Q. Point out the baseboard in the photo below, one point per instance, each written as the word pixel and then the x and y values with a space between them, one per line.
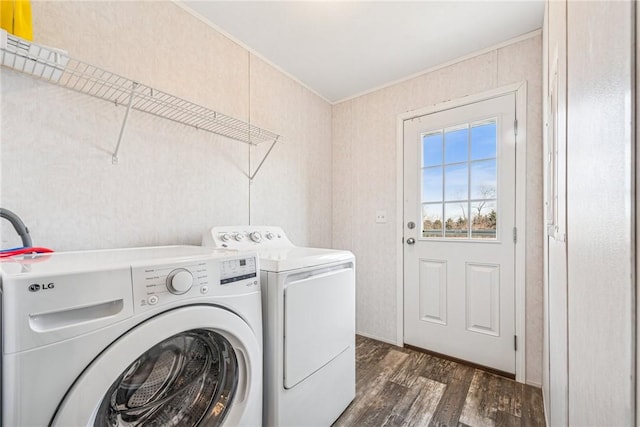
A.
pixel 377 338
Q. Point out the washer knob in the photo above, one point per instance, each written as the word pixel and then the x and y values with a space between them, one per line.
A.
pixel 179 281
pixel 239 237
pixel 269 235
pixel 225 237
pixel 256 237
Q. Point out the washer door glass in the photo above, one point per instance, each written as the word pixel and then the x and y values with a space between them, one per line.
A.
pixel 186 380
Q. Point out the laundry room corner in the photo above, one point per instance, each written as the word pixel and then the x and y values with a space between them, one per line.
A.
pixel 298 171
pixel 170 181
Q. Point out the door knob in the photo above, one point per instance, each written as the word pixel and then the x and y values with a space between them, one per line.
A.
pixel 411 241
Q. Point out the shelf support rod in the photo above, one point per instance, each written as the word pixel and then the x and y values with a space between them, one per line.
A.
pixel 114 157
pixel 273 144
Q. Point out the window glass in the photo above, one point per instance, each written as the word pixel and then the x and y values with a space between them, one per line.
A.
pixel 483 179
pixel 455 223
pixel 432 149
pixel 483 140
pixel 484 219
pixel 456 182
pixel 459 181
pixel 432 220
pixel 432 184
pixel 456 142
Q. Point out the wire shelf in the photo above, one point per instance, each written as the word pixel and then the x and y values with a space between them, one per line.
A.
pixel 57 67
pixel 94 81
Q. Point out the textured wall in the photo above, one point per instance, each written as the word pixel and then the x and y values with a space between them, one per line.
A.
pixel 293 188
pixel 172 181
pixel 364 179
pixel 601 164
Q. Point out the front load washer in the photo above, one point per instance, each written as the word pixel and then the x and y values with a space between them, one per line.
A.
pixel 309 325
pixel 167 336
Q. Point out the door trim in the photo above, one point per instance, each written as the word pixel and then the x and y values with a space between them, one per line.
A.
pixel 520 90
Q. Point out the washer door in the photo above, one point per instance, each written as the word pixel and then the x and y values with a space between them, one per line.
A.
pixel 193 366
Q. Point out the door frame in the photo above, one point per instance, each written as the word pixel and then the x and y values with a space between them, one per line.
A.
pixel 520 90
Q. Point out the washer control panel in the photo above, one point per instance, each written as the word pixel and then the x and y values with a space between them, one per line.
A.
pixel 235 270
pixel 246 237
pixel 228 274
pixel 179 281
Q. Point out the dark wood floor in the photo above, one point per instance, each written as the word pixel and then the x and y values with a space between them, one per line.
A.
pixel 402 387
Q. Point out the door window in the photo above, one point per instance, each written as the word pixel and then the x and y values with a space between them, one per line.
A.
pixel 186 380
pixel 459 181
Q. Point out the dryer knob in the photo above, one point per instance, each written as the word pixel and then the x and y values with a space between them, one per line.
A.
pixel 256 237
pixel 269 235
pixel 239 237
pixel 179 281
pixel 225 237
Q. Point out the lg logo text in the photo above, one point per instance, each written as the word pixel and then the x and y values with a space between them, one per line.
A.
pixel 37 287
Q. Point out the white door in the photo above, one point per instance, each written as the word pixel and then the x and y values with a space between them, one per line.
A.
pixel 459 216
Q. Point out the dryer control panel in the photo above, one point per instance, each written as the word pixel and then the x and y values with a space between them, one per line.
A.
pixel 246 237
pixel 160 284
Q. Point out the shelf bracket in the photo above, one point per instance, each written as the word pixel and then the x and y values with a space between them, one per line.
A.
pixel 114 157
pixel 273 144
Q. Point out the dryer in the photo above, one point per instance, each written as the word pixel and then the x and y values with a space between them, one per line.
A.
pixel 309 325
pixel 166 336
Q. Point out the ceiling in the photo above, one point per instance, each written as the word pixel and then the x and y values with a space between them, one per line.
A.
pixel 340 49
